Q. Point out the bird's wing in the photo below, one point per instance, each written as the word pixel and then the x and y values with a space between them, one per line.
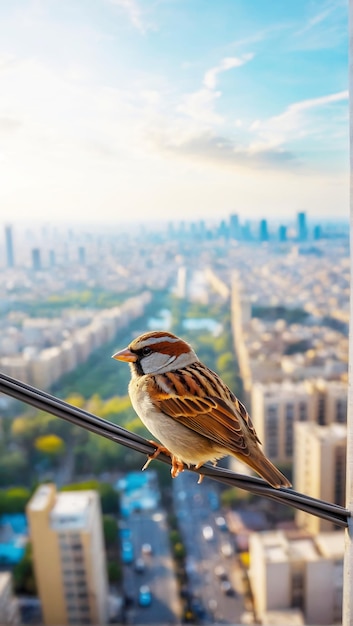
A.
pixel 224 423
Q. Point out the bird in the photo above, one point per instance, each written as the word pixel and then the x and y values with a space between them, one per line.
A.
pixel 189 409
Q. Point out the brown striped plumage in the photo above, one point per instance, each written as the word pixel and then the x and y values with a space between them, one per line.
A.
pixel 188 407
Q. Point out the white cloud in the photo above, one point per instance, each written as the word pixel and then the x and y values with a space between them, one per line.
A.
pixel 299 120
pixel 134 12
pixel 211 76
pixel 199 106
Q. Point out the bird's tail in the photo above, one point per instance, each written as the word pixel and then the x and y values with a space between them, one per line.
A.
pixel 261 464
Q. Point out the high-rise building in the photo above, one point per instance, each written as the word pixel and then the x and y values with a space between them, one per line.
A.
pixel 276 406
pixel 52 258
pixel 297 573
pixel 82 255
pixel 10 258
pixel 317 233
pixel 36 260
pixel 234 226
pixel 320 468
pixel 263 231
pixel 282 233
pixel 68 556
pixel 223 229
pixel 302 229
pixel 246 231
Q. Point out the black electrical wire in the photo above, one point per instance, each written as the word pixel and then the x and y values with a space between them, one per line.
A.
pixel 51 404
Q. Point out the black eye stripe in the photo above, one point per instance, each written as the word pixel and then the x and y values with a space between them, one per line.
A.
pixel 142 352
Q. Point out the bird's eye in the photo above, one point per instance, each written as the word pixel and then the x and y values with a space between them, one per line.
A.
pixel 146 351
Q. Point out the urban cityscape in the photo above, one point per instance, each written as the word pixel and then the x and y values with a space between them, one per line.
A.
pixel 86 537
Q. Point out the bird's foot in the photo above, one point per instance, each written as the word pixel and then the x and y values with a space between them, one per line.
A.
pixel 159 449
pixel 201 476
pixel 177 467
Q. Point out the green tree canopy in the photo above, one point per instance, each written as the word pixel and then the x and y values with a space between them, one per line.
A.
pixel 14 499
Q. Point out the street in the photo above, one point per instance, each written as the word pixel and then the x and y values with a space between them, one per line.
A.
pixel 150 529
pixel 211 564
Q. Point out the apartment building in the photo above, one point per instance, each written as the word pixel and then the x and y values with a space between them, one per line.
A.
pixel 276 407
pixel 300 572
pixel 68 556
pixel 320 468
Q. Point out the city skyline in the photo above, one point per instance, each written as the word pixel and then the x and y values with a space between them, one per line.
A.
pixel 107 116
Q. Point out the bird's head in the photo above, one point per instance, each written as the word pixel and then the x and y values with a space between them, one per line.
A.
pixel 156 352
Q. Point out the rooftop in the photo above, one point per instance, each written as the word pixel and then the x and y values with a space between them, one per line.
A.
pixel 71 510
pixel 278 547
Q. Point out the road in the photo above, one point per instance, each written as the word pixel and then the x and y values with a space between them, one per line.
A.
pixel 197 507
pixel 151 528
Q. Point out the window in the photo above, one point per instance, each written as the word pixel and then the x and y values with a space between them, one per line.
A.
pixel 297 590
pixel 271 431
pixel 289 418
pixel 341 411
pixel 340 476
pixel 303 413
pixel 321 410
pixel 81 583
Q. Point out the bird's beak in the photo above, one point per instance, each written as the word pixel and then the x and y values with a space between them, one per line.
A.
pixel 125 355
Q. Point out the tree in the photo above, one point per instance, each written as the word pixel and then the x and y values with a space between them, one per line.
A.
pixel 109 498
pixel 109 531
pixel 76 399
pixel 23 573
pixel 50 445
pixel 14 500
pixel 13 467
pixel 114 572
pixel 233 496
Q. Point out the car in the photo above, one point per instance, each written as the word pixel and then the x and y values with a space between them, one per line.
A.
pixel 227 588
pixel 227 549
pixel 221 572
pixel 127 552
pixel 139 566
pixel 145 596
pixel 124 532
pixel 221 523
pixel 146 548
pixel 197 607
pixel 207 532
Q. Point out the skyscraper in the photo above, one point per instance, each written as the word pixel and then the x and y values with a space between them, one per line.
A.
pixel 263 231
pixel 10 260
pixel 302 229
pixel 36 261
pixel 68 555
pixel 82 255
pixel 234 226
pixel 282 233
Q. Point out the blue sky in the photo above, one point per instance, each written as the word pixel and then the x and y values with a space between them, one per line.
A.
pixel 168 109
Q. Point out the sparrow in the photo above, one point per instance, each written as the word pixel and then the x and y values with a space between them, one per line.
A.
pixel 188 407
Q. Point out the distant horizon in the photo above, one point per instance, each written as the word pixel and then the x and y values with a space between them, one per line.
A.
pixel 243 218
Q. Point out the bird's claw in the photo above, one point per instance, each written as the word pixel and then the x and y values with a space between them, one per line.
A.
pixel 201 476
pixel 177 465
pixel 159 449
